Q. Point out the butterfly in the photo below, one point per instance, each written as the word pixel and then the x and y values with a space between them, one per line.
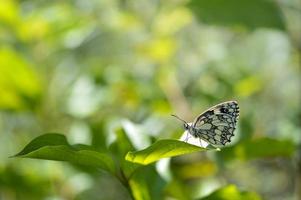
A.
pixel 215 126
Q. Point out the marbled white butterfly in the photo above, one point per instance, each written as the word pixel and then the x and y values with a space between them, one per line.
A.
pixel 215 126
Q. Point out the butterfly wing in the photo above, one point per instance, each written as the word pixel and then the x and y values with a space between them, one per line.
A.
pixel 217 124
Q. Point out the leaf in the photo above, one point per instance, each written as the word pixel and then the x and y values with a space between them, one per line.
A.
pixel 177 189
pixel 31 188
pixel 139 188
pixel 197 169
pixel 261 147
pixel 53 146
pixel 251 14
pixel 146 183
pixel 119 149
pixel 231 192
pixel 162 149
pixel 20 86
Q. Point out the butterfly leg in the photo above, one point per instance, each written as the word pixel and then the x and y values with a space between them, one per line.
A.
pixel 187 136
pixel 203 143
pixel 200 142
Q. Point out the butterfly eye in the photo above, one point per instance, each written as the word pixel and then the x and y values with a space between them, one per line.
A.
pixel 186 126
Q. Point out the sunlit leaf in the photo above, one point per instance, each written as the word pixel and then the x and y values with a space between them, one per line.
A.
pixel 258 148
pixel 8 12
pixel 248 86
pixel 200 169
pixel 54 146
pixel 119 149
pixel 231 192
pixel 168 23
pixel 177 189
pixel 20 86
pixel 139 188
pixel 252 14
pixel 158 49
pixel 162 149
pixel 146 183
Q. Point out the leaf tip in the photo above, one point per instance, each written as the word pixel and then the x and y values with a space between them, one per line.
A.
pixel 129 156
pixel 16 155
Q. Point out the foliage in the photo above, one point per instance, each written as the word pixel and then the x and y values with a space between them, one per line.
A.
pixel 55 147
pixel 93 83
pixel 252 14
pixel 231 192
pixel 162 149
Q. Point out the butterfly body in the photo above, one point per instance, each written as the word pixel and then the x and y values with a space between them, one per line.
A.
pixel 216 125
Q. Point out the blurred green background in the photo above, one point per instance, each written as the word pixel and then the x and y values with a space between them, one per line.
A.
pixel 83 68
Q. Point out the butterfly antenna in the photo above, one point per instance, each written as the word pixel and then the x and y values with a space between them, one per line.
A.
pixel 179 119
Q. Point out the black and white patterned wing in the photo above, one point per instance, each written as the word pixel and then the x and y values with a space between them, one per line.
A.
pixel 217 124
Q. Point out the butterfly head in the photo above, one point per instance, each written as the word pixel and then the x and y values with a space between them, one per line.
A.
pixel 186 125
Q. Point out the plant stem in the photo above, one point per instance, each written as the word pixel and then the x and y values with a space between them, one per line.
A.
pixel 125 182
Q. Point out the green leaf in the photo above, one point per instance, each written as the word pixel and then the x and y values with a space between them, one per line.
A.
pixel 231 192
pixel 119 149
pixel 252 14
pixel 261 147
pixel 176 189
pixel 162 149
pixel 139 188
pixel 54 146
pixel 20 85
pixel 31 188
